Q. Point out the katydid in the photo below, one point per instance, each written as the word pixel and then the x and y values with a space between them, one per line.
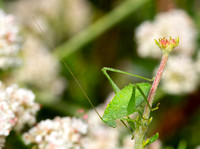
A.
pixel 125 101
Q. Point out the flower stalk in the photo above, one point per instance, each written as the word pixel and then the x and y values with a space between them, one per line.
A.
pixel 166 46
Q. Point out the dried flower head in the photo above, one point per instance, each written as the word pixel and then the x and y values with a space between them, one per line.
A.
pixel 167 45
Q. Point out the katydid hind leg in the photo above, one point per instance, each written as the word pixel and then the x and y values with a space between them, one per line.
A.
pixel 123 72
pixel 82 89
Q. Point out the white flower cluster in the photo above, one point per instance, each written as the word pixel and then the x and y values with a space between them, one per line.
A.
pixel 73 133
pixel 75 14
pixel 41 68
pixel 60 133
pixel 17 108
pixel 180 75
pixel 175 23
pixel 9 41
pixel 7 117
pixel 23 105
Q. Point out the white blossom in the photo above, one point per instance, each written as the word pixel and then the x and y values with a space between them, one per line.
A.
pixel 22 102
pixel 7 119
pixel 180 75
pixel 7 115
pixel 9 41
pixel 175 23
pixel 41 68
pixel 62 133
pixel 46 11
pixel 17 108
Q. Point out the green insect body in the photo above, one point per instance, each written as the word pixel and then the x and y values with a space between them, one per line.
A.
pixel 125 103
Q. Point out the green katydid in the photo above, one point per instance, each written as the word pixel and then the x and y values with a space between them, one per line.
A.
pixel 125 101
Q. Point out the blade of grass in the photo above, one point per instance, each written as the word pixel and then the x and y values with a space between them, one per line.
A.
pixel 105 23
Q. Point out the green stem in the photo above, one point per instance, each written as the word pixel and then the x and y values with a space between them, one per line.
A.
pixel 105 23
pixel 140 133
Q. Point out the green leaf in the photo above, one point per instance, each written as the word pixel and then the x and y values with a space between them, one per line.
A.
pixel 124 103
pixel 152 139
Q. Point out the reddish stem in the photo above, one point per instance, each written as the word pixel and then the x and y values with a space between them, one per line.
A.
pixel 140 132
pixel 155 85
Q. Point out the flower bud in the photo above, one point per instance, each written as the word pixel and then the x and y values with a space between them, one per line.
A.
pixel 167 45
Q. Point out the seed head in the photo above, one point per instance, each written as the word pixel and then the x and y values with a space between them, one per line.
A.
pixel 167 45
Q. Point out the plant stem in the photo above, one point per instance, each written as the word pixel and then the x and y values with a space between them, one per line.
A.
pixel 155 85
pixel 105 23
pixel 140 132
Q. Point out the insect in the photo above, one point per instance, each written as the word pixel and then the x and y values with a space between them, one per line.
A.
pixel 125 101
